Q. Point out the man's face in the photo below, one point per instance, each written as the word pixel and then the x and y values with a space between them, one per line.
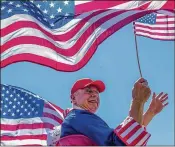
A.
pixel 87 98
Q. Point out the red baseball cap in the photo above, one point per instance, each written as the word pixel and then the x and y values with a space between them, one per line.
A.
pixel 82 83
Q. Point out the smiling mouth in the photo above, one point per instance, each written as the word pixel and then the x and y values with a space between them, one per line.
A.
pixel 93 101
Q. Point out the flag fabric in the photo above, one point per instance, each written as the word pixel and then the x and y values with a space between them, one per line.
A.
pixel 156 26
pixel 26 118
pixel 64 35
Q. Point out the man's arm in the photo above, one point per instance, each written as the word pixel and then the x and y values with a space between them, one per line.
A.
pixel 129 132
pixel 136 111
pixel 157 104
pixel 140 93
pixel 132 133
pixel 147 117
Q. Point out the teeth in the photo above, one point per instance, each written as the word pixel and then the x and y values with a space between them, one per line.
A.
pixel 93 101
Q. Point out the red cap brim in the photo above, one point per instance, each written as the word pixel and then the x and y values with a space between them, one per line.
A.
pixel 99 84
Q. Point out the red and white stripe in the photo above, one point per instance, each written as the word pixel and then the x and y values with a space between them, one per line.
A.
pixel 89 5
pixel 131 133
pixel 33 131
pixel 164 29
pixel 69 48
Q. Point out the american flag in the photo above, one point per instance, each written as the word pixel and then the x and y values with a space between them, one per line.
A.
pixel 64 35
pixel 156 26
pixel 26 118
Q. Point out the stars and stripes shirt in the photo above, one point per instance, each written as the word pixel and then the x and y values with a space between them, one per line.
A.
pixel 129 132
pixel 26 118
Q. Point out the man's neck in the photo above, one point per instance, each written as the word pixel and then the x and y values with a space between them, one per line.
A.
pixel 76 107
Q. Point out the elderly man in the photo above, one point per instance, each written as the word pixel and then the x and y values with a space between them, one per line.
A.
pixel 82 127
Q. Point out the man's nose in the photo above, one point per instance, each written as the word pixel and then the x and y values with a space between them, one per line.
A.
pixel 93 94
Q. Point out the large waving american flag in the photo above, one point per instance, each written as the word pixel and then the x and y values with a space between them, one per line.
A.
pixel 65 34
pixel 27 119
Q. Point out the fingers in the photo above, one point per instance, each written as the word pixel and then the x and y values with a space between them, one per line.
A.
pixel 159 95
pixel 163 100
pixel 145 83
pixel 147 91
pixel 163 96
pixel 141 81
pixel 141 90
pixel 154 95
pixel 165 104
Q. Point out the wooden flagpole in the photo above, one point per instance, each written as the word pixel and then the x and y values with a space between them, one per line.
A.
pixel 137 52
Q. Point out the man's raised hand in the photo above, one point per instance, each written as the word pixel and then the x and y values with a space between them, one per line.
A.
pixel 141 91
pixel 158 102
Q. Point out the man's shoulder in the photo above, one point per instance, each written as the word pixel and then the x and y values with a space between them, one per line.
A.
pixel 79 113
pixel 75 116
pixel 82 115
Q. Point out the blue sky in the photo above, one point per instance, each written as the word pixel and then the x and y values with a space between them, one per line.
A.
pixel 115 63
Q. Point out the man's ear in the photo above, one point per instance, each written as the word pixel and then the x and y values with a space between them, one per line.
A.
pixel 72 99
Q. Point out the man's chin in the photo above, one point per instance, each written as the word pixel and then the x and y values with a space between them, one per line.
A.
pixel 93 110
pixel 90 107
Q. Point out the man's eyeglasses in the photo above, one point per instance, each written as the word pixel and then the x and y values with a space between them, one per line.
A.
pixel 90 91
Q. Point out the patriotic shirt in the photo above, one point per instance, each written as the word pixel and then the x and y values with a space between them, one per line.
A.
pixel 80 122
